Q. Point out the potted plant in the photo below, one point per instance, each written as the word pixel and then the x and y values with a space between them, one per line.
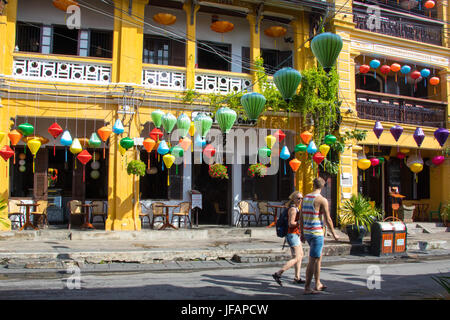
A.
pixel 218 171
pixel 357 216
pixel 446 215
pixel 257 170
pixel 136 167
pixel 5 224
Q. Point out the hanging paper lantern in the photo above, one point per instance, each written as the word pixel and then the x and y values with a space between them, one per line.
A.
pixel 84 157
pixel 318 158
pixel 295 164
pixel 66 141
pixel 363 69
pixel 324 149
pixel 199 142
pixel 22 168
pixel 34 146
pixel 157 117
pixel 55 130
pixel 26 129
pixel 396 132
pixel 63 5
pixel 166 19
pixel 300 147
pixel 401 155
pixel 185 143
pixel 441 135
pixel 2 135
pixel 287 81
pixel 364 164
pixel 6 152
pixel 270 141
pixel 312 149
pixel 381 160
pixel 306 136
pixel 222 26
pixel 203 124
pixel 14 137
pixel 375 64
pixel 280 135
pixel 95 174
pixel 156 134
pixel 264 153
pixel 168 122
pixel 326 48
pixel 414 159
pixel 405 70
pixel 385 69
pixel 104 133
pixel 118 127
pixel 209 151
pixel 75 147
pixel 416 167
pixel 378 129
pixel 430 5
pixel 395 67
pixel 226 118
pixel 415 75
pixel 163 148
pixel 275 31
pixel 122 151
pixel 177 151
pixel 94 141
pixel 424 74
pixel 284 154
pixel 253 104
pixel 149 144
pixel 22 156
pixel 419 136
pixel 374 162
pixel 330 139
pixel 437 160
pixel 434 81
pixel 168 161
pixel 127 143
pixel 183 124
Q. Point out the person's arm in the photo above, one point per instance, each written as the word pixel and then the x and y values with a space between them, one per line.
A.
pixel 300 221
pixel 329 222
pixel 292 215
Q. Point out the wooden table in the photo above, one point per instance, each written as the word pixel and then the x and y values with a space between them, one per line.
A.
pixel 421 209
pixel 167 223
pixel 28 207
pixel 86 208
pixel 275 207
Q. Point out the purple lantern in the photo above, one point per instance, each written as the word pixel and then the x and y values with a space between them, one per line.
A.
pixel 441 135
pixel 419 136
pixel 396 132
pixel 378 130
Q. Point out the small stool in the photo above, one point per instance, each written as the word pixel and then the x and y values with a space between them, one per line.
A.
pixel 395 207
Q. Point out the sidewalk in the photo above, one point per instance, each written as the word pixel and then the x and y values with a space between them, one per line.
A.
pixel 205 247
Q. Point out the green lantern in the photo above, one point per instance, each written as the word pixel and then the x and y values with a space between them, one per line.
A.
pixel 156 117
pixel 330 139
pixel 253 103
pixel 300 147
pixel 287 81
pixel 226 118
pixel 94 141
pixel 381 159
pixel 264 153
pixel 326 48
pixel 202 124
pixel 177 151
pixel 168 122
pixel 26 129
pixel 183 123
pixel 126 143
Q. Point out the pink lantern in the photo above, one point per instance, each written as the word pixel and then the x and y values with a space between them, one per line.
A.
pixel 438 160
pixel 374 162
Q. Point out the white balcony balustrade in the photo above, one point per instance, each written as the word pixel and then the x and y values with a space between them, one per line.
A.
pixel 208 82
pixel 156 78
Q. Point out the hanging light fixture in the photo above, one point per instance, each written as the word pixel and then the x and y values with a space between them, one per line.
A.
pixel 275 32
pixel 253 104
pixel 287 81
pixel 166 19
pixel 63 5
pixel 326 48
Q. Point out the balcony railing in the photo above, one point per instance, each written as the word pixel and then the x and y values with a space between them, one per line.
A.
pixel 400 109
pixel 165 78
pixel 397 25
pixel 61 69
pixel 210 81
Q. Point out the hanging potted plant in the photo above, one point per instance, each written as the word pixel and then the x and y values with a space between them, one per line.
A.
pixel 357 216
pixel 218 171
pixel 136 167
pixel 257 170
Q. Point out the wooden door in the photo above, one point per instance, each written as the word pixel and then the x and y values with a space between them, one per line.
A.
pixel 40 186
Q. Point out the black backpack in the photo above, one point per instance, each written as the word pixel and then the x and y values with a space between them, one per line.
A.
pixel 283 224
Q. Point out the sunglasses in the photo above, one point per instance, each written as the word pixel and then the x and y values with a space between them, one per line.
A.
pixel 299 198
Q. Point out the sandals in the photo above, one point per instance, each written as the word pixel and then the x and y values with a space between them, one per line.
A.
pixel 299 281
pixel 277 278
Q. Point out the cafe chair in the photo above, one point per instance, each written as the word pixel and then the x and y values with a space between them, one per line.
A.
pixel 437 212
pixel 15 211
pixel 157 212
pixel 219 213
pixel 144 214
pixel 40 215
pixel 183 213
pixel 264 213
pixel 98 210
pixel 74 210
pixel 246 212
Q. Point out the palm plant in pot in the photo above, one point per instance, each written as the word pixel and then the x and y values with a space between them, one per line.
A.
pixel 357 216
pixel 446 215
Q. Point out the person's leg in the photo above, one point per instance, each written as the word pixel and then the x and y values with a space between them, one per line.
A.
pixel 298 265
pixel 309 274
pixel 294 242
pixel 319 246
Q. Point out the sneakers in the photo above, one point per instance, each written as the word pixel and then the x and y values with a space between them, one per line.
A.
pixel 299 281
pixel 277 278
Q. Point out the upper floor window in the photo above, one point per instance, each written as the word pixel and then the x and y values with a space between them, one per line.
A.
pixel 164 51
pixel 214 56
pixel 273 60
pixel 28 37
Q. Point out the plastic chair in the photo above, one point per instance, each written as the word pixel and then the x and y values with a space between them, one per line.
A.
pixel 438 212
pixel 245 212
pixel 183 213
pixel 157 212
pixel 264 213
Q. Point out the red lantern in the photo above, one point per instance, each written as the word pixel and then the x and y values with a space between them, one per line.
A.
pixel 429 5
pixel 374 162
pixel 6 152
pixel 84 157
pixel 415 75
pixel 434 81
pixel 156 134
pixel 209 151
pixel 55 130
pixel 280 135
pixel 385 69
pixel 318 157
pixel 364 69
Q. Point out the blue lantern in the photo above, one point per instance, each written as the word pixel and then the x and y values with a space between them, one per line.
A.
pixel 163 149
pixel 66 140
pixel 405 70
pixel 425 73
pixel 375 64
pixel 118 127
pixel 284 154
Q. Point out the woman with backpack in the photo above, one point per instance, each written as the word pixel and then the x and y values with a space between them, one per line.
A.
pixel 293 238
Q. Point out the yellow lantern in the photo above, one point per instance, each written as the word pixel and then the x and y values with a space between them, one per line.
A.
pixel 404 150
pixel 191 133
pixel 34 145
pixel 168 161
pixel 76 148
pixel 270 141
pixel 364 164
pixel 122 150
pixel 416 167
pixel 2 135
pixel 324 149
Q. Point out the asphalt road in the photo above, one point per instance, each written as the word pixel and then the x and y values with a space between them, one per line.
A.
pixel 349 281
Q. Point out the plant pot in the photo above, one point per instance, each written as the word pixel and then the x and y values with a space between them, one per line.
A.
pixel 356 234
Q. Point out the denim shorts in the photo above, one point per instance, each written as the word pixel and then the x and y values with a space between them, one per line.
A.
pixel 315 245
pixel 293 239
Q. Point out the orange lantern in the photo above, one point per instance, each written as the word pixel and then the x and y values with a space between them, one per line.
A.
pixel 434 81
pixel 429 5
pixel 149 144
pixel 306 137
pixel 64 4
pixel 104 133
pixel 295 164
pixel 222 27
pixel 275 32
pixel 14 137
pixel 165 18
pixel 395 67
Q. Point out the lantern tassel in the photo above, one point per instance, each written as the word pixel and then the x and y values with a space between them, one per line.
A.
pixel 148 161
pixel 284 167
pixel 14 154
pixel 176 172
pixel 66 154
pixel 54 147
pixel 104 147
pixel 34 160
pixel 168 181
pixel 84 167
pixel 163 166
pixel 364 79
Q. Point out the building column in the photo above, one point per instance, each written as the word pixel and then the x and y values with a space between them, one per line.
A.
pixel 302 49
pixel 191 9
pixel 123 191
pixel 255 46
